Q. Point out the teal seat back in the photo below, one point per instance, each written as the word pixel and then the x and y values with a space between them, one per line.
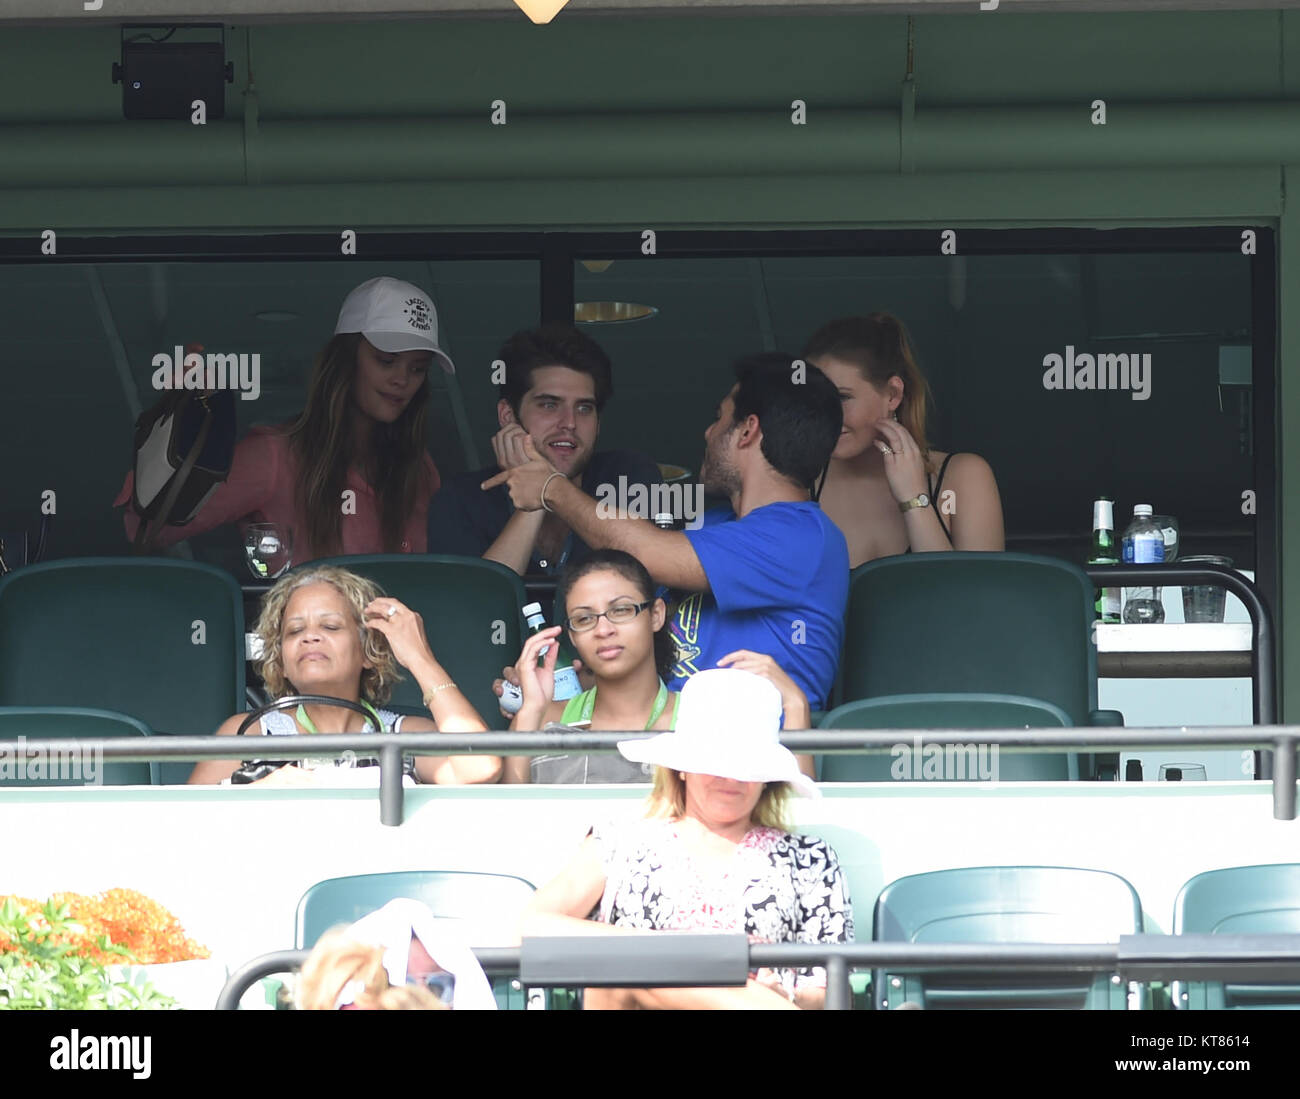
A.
pixel 472 618
pixel 1009 623
pixel 448 894
pixel 1239 900
pixel 153 637
pixel 57 722
pixel 947 711
pixel 1005 904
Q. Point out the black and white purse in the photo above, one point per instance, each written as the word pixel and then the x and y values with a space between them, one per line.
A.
pixel 184 446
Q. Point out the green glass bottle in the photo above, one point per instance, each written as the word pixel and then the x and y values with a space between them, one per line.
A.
pixel 1104 552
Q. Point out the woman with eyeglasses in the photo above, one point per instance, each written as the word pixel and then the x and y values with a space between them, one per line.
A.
pixel 617 626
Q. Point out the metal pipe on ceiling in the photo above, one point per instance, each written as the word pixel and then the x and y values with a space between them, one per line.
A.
pixel 693 145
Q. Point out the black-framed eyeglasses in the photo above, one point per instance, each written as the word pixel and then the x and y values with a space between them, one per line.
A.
pixel 619 612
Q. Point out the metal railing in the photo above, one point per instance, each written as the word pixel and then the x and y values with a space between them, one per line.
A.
pixel 390 749
pixel 699 961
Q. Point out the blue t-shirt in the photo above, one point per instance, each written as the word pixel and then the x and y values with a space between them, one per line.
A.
pixel 779 584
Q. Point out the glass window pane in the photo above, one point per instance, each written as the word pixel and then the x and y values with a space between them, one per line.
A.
pixel 983 328
pixel 85 353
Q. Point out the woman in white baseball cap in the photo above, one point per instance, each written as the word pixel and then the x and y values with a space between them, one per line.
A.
pixel 362 433
pixel 713 852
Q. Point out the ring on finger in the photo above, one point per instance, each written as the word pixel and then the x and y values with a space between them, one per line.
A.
pixel 885 448
pixel 390 612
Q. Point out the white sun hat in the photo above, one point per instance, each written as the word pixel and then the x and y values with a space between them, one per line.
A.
pixel 393 927
pixel 728 725
pixel 394 316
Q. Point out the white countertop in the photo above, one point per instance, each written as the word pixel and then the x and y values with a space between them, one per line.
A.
pixel 1174 637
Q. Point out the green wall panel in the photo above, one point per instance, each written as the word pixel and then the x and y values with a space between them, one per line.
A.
pixel 623 71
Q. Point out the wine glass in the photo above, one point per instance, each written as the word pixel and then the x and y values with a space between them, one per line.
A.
pixel 268 548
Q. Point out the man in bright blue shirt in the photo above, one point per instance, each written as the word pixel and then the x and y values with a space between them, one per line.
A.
pixel 778 584
pixel 772 575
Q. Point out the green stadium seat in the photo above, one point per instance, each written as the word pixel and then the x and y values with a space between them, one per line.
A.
pixel 1007 623
pixel 57 722
pixel 947 711
pixel 1005 904
pixel 1239 900
pixel 156 638
pixel 448 894
pixel 471 610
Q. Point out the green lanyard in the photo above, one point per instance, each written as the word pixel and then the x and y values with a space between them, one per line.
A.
pixel 589 706
pixel 310 725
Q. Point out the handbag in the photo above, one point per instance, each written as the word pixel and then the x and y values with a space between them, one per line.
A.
pixel 184 446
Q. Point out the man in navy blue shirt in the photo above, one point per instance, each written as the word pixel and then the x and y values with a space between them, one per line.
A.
pixel 556 384
pixel 769 574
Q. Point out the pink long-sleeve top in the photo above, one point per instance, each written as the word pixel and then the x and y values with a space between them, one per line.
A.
pixel 260 489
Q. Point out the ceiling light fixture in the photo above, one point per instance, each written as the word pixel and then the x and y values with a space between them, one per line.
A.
pixel 611 312
pixel 540 11
pixel 597 266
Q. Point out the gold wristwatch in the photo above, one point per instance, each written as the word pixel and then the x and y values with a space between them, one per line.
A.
pixel 922 501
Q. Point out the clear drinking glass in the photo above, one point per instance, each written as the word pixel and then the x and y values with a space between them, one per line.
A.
pixel 1205 602
pixel 1182 772
pixel 268 549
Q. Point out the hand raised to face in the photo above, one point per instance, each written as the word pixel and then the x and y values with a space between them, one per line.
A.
pixel 525 481
pixel 904 462
pixel 508 446
pixel 403 628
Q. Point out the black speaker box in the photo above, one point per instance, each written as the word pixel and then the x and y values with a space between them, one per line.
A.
pixel 163 79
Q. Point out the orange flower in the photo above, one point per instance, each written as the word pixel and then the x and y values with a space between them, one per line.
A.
pixel 128 918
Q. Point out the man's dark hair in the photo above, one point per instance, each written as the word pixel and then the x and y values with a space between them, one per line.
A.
pixel 798 410
pixel 628 567
pixel 552 345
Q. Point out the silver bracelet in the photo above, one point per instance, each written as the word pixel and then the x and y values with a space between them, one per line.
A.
pixel 542 494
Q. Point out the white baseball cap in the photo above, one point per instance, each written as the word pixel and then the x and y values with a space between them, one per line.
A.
pixel 728 725
pixel 394 316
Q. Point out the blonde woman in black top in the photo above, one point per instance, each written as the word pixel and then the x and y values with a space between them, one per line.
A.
pixel 885 488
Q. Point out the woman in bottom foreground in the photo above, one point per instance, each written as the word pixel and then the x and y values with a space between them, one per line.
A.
pixel 712 853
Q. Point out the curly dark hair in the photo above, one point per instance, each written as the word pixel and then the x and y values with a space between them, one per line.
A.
pixel 552 345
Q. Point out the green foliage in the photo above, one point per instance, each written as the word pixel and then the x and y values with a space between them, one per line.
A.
pixel 38 972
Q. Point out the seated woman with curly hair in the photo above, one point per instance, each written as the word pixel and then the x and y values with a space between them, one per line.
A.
pixel 327 631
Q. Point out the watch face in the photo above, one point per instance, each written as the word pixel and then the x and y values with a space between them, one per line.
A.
pixel 922 501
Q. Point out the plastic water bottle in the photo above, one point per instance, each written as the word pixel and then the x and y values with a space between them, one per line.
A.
pixel 1144 544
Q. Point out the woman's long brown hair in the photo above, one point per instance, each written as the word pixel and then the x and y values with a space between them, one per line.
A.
pixel 321 441
pixel 878 345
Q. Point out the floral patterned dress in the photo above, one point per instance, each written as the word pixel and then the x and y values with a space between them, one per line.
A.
pixel 779 887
